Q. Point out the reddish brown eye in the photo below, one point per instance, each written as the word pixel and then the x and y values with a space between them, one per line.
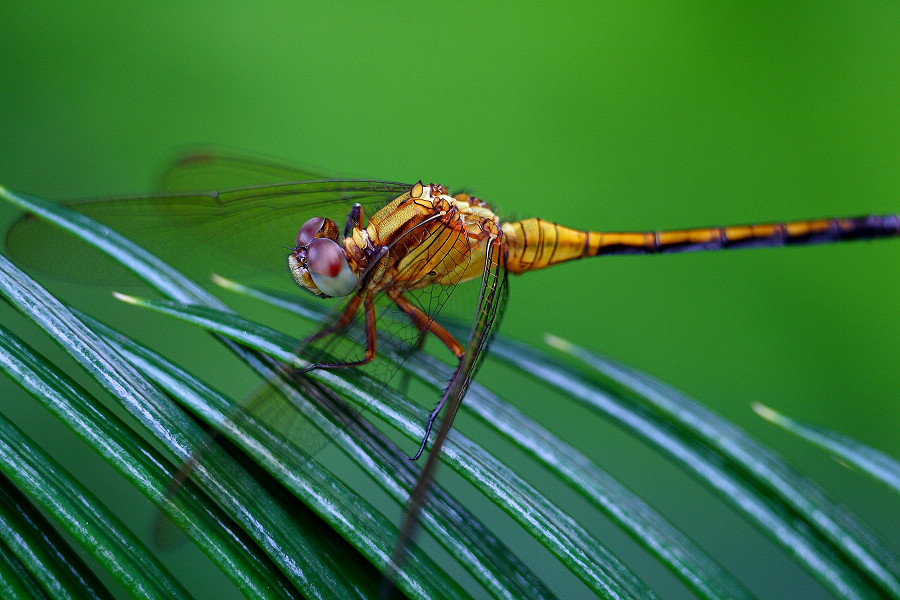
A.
pixel 329 268
pixel 308 231
pixel 324 257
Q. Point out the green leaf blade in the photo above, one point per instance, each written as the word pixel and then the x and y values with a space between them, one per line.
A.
pixel 47 483
pixel 874 463
pixel 613 387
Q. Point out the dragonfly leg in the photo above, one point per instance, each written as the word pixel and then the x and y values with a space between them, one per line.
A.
pixel 428 426
pixel 368 303
pixel 425 323
pixel 354 219
pixel 344 320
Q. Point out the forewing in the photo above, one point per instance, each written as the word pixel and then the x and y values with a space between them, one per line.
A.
pixel 211 169
pixel 489 313
pixel 491 306
pixel 244 233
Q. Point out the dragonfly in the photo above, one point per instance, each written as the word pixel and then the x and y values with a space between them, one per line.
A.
pixel 387 249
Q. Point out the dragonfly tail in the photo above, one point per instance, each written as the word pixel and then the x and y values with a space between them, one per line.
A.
pixel 536 243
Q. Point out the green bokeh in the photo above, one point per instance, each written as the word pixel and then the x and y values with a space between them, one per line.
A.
pixel 619 116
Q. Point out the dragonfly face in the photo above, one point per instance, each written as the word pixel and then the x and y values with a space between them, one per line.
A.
pixel 319 263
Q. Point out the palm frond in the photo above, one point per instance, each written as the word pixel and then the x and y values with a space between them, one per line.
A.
pixel 280 524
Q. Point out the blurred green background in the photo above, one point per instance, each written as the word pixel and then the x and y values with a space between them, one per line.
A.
pixel 624 115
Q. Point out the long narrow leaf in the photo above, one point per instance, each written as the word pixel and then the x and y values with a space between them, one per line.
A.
pixel 771 514
pixel 15 580
pixel 145 468
pixel 649 528
pixel 579 551
pixel 232 487
pixel 840 527
pixel 38 546
pixel 875 463
pixel 83 517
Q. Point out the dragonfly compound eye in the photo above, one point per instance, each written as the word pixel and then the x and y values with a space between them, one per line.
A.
pixel 308 231
pixel 329 269
pixel 318 227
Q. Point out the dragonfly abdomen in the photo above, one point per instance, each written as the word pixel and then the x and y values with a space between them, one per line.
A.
pixel 535 243
pixel 790 233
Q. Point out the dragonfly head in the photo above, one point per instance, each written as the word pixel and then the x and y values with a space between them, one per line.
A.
pixel 318 261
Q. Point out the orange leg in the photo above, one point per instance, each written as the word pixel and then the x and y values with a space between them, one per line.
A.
pixel 371 336
pixel 425 323
pixel 344 320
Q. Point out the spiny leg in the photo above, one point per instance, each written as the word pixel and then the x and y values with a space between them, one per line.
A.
pixel 426 324
pixel 345 318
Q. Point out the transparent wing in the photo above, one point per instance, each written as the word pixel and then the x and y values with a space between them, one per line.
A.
pixel 212 169
pixel 243 233
pixel 489 314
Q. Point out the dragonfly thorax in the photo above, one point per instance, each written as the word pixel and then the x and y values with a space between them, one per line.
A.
pixel 422 237
pixel 318 262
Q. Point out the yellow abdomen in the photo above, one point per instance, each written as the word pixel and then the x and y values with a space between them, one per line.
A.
pixel 535 243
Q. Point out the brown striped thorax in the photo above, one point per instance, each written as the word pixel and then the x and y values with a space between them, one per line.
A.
pixel 422 237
